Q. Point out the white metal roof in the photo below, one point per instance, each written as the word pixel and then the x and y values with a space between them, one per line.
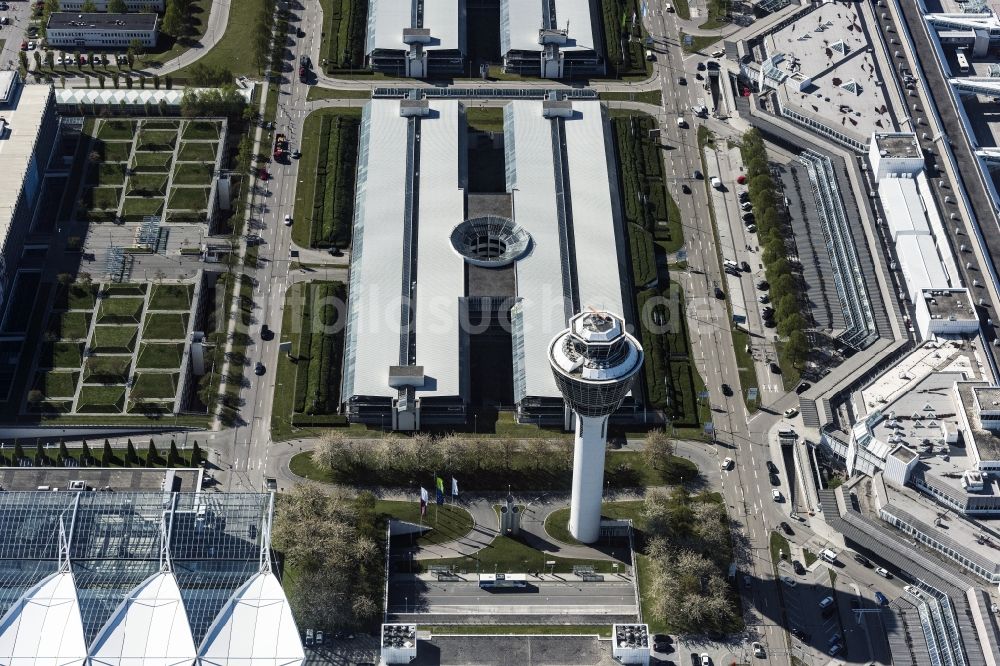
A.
pixel 255 628
pixel 376 284
pixel 17 146
pixel 440 270
pixel 539 274
pixel 149 628
pixel 594 219
pixel 134 96
pixel 904 213
pixel 524 20
pixel 387 18
pixel 44 627
pixel 920 264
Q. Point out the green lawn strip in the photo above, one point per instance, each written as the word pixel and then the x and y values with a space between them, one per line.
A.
pixel 234 50
pixel 745 365
pixel 698 43
pixel 508 555
pixel 790 375
pixel 61 355
pixel 165 326
pixel 158 162
pixel 194 173
pixel 171 297
pixel 117 151
pixel 70 325
pixel 643 255
pixel 622 469
pixel 644 97
pixel 126 289
pixel 56 384
pixel 156 140
pixel 160 355
pixel 105 174
pixel 120 310
pixel 317 93
pixel 197 152
pixel 199 12
pixel 683 9
pixel 161 124
pixel 602 630
pixel 116 129
pixel 152 385
pixel 101 198
pixel 447 522
pixel 76 296
pixel 645 580
pixel 778 543
pixel 116 339
pixel 136 207
pixel 485 119
pixel 188 198
pixel 107 369
pixel 283 398
pixel 101 399
pixel 325 196
pixel 557 522
pixel 809 556
pixel 199 130
pixel 147 184
pixel 717 10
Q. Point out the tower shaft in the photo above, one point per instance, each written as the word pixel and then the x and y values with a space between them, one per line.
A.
pixel 588 477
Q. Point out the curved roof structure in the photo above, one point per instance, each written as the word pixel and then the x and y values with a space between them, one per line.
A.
pixel 149 628
pixel 255 628
pixel 44 627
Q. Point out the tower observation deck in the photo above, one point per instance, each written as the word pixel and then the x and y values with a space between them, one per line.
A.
pixel 594 362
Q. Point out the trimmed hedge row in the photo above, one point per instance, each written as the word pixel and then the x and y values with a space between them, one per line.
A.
pixel 346 27
pixel 643 256
pixel 319 420
pixel 654 346
pixel 644 193
pixel 618 26
pixel 333 198
pixel 321 346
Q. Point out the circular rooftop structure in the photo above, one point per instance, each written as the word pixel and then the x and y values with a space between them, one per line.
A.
pixel 490 241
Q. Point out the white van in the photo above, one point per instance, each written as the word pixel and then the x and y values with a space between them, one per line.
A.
pixel 828 555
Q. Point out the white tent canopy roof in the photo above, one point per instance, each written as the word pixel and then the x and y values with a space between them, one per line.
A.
pixel 255 628
pixel 149 628
pixel 44 627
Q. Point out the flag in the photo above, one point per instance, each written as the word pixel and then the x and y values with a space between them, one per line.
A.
pixel 440 490
pixel 423 501
pixel 454 487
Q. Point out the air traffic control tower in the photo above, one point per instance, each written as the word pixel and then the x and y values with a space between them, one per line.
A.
pixel 594 362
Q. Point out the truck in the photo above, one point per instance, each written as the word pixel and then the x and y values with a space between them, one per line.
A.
pixel 280 147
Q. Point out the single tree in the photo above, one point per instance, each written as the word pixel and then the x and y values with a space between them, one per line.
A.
pixel 50 60
pixel 152 455
pixel 117 7
pixel 196 456
pixel 131 457
pixel 114 78
pixel 797 347
pixel 174 457
pixel 23 58
pixel 156 81
pixel 173 22
pixel 18 453
pixel 38 59
pixel 86 458
pixel 63 453
pixel 35 397
pixel 107 456
pixel 41 459
pixel 796 322
pixel 658 449
pixel 88 7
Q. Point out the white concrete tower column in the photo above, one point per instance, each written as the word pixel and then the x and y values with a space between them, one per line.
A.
pixel 588 478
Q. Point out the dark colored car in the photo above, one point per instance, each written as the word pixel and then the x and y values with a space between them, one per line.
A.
pixel 719 293
pixel 767 312
pixel 697 175
pixel 797 566
pixel 862 560
pixel 881 599
pixel 695 659
pixel 749 217
pixel 662 638
pixel 745 266
pixel 770 323
pixel 685 189
pixel 771 467
pixel 682 81
pixel 763 285
pixel 701 66
pixel 304 61
pixel 775 481
pixel 258 369
pixel 801 635
pixel 727 389
pixel 266 333
pixel 786 528
pixel 336 252
pixel 803 387
pixel 775 369
pixel 663 647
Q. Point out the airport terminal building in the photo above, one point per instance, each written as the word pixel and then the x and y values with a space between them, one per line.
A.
pixel 471 251
pixel 418 39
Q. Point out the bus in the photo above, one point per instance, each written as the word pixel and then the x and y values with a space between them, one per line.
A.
pixel 963 62
pixel 502 581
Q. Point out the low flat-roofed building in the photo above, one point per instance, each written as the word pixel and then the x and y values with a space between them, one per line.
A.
pixel 895 153
pixel 550 39
pixel 416 38
pixel 102 5
pixel 28 129
pixel 72 30
pixel 428 251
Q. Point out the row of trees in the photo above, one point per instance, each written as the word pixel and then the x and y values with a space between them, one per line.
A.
pixel 332 542
pixel 87 458
pixel 687 542
pixel 773 233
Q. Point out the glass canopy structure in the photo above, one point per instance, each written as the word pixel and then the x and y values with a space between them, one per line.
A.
pixel 141 578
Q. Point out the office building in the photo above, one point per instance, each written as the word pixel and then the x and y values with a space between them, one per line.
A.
pixel 69 30
pixel 102 5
